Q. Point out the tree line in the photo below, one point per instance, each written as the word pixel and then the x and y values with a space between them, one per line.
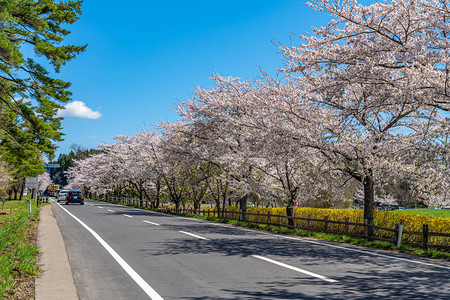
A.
pixel 30 94
pixel 362 102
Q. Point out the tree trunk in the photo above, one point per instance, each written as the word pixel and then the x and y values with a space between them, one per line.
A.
pixel 22 189
pixel 243 206
pixel 290 214
pixel 369 203
pixel 158 190
pixel 224 203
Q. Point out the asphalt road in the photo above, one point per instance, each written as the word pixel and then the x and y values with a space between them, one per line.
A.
pixel 118 252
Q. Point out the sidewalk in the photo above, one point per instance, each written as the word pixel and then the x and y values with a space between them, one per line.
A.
pixel 56 282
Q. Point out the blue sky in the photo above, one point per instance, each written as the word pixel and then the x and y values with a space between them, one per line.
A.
pixel 144 56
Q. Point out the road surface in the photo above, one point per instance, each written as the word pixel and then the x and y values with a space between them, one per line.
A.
pixel 118 252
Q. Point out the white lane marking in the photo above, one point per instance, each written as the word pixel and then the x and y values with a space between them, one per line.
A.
pixel 91 204
pixel 322 244
pixel 151 223
pixel 194 235
pixel 295 268
pixel 340 247
pixel 189 219
pixel 111 210
pixel 135 276
pixel 128 216
pixel 100 206
pixel 221 225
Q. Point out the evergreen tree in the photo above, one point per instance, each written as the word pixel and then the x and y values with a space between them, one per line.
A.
pixel 29 96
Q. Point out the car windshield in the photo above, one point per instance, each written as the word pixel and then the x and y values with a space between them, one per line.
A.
pixel 63 192
pixel 75 193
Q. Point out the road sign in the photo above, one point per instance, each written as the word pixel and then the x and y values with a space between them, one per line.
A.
pixel 47 166
pixel 31 182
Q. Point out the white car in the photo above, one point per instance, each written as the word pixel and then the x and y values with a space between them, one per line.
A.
pixel 62 195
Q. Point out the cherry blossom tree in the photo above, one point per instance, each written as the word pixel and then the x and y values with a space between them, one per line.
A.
pixel 371 87
pixel 6 177
pixel 233 127
pixel 364 100
pixel 44 181
pixel 437 201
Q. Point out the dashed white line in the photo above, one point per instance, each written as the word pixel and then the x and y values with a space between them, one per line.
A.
pixel 151 223
pixel 295 268
pixel 100 206
pixel 111 210
pixel 365 252
pixel 304 240
pixel 189 219
pixel 194 235
pixel 128 216
pixel 135 276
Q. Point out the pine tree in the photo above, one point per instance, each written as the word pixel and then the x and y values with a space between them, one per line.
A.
pixel 29 96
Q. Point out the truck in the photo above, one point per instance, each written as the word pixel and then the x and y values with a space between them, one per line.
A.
pixel 51 189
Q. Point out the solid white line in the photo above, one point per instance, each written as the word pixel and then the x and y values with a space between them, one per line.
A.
pixel 135 276
pixel 128 216
pixel 151 223
pixel 194 235
pixel 295 268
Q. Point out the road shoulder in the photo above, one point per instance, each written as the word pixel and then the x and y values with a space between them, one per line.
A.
pixel 56 281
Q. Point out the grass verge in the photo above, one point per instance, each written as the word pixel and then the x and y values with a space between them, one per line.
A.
pixel 440 213
pixel 324 236
pixel 18 250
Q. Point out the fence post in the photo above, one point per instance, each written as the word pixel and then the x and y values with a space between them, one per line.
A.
pixel 366 229
pixel 225 214
pixel 325 225
pixel 295 220
pixel 425 237
pixel 257 216
pixel 309 221
pixel 248 216
pixel 400 228
pixel 268 218
pixel 396 234
pixel 279 219
pixel 346 225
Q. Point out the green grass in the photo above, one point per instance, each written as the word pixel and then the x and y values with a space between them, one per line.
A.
pixel 442 213
pixel 17 255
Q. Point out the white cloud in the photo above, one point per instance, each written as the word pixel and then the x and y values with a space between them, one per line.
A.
pixel 78 109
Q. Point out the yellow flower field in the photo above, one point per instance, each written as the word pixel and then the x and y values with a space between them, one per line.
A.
pixel 387 219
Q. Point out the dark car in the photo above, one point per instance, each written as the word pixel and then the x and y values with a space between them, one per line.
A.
pixel 75 197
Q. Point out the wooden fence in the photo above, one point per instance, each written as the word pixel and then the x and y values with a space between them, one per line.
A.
pixel 419 239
